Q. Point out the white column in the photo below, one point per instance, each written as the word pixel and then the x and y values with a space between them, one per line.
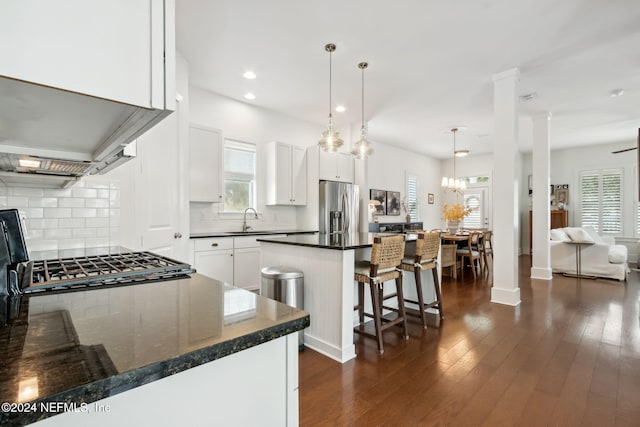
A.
pixel 540 259
pixel 505 188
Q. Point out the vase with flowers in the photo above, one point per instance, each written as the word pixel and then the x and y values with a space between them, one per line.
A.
pixel 453 215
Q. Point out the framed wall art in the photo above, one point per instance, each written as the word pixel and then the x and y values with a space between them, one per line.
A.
pixel 380 196
pixel 393 203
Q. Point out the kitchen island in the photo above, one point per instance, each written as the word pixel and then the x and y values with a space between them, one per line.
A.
pixel 327 262
pixel 191 351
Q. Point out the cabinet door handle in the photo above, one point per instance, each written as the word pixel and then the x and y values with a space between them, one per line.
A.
pixel 214 244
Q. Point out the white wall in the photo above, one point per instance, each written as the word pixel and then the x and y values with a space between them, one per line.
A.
pixel 245 122
pixel 565 169
pixel 387 170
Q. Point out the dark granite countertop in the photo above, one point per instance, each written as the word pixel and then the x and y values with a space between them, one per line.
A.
pixel 250 233
pixel 340 242
pixel 79 347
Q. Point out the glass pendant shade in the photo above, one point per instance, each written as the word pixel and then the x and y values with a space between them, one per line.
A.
pixel 330 140
pixel 362 148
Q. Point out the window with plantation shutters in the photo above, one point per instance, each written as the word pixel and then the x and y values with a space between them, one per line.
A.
pixel 412 197
pixel 601 200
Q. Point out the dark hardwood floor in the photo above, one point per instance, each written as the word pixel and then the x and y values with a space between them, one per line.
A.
pixel 568 355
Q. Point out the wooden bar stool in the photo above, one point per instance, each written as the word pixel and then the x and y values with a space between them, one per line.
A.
pixel 448 258
pixel 425 258
pixel 386 257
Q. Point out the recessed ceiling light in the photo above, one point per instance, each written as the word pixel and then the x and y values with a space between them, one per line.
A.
pixel 461 153
pixel 341 109
pixel 250 96
pixel 616 93
pixel 249 75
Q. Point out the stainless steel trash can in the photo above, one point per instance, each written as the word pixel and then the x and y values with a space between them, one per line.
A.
pixel 286 285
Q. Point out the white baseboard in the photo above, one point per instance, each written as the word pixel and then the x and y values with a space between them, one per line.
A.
pixel 505 296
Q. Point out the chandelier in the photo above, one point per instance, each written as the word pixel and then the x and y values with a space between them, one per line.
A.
pixel 454 184
pixel 330 140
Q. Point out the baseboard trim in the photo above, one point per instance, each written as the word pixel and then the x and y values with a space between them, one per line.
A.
pixel 541 273
pixel 505 296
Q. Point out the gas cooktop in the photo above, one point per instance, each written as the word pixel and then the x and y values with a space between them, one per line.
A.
pixel 78 273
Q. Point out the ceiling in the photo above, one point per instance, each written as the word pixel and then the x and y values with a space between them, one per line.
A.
pixel 430 64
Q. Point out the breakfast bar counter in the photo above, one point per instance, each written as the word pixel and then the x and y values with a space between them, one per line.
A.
pixel 327 262
pixel 171 352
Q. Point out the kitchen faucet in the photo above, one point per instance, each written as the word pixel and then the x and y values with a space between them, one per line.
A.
pixel 245 227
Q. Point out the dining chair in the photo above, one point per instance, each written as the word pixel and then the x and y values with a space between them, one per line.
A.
pixel 468 251
pixel 486 247
pixel 386 256
pixel 424 258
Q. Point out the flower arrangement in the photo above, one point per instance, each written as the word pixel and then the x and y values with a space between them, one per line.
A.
pixel 454 212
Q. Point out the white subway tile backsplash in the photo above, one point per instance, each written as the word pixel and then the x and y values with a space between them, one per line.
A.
pixel 84 213
pixel 103 232
pixel 25 191
pixel 71 222
pixel 33 212
pixel 17 202
pixel 36 234
pixel 57 212
pixel 72 244
pixel 36 223
pixel 43 202
pixel 68 202
pixel 41 245
pixel 84 192
pixel 98 241
pixel 97 203
pixel 60 233
pixel 84 216
pixel 55 192
pixel 84 232
pixel 97 222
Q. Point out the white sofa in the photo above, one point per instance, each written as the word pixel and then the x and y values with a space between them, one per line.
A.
pixel 601 258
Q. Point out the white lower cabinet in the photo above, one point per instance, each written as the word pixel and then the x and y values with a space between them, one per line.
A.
pixel 234 260
pixel 246 268
pixel 213 258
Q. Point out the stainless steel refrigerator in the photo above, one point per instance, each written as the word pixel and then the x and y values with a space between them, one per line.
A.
pixel 339 207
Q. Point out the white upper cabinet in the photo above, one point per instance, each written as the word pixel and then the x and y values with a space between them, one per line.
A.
pixel 336 166
pixel 84 77
pixel 205 164
pixel 286 167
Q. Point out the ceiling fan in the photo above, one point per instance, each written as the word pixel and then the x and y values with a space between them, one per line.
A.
pixel 628 149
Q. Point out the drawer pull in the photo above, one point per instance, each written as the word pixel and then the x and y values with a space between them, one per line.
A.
pixel 214 244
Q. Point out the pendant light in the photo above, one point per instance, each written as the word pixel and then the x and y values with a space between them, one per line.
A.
pixel 330 140
pixel 454 184
pixel 362 148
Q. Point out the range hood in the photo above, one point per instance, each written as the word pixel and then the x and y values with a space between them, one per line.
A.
pixel 51 137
